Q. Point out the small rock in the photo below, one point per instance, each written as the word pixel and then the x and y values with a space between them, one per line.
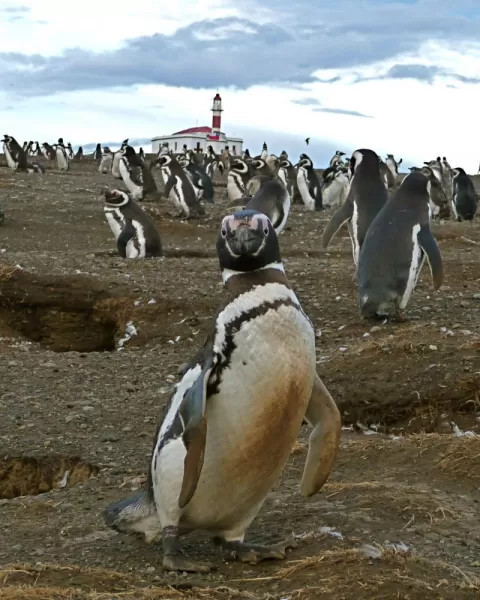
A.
pixel 129 387
pixel 426 308
pixel 127 428
pixel 375 328
pixel 464 304
pixel 432 347
pixel 150 569
pixel 17 547
pixel 476 296
pixel 88 408
pixel 69 418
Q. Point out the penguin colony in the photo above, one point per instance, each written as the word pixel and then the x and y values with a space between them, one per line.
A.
pixel 236 377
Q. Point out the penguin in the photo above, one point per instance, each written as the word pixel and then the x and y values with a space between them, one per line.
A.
pixel 135 232
pixel 439 203
pixel 283 155
pixel 70 151
pixel 308 184
pixel 264 153
pixel 29 149
pixel 272 199
pixel 366 197
pixel 49 151
pixel 238 176
pixel 62 156
pixel 79 154
pixel 2 217
pixel 179 188
pixel 16 157
pixel 464 196
pixel 246 154
pixel 98 155
pixel 336 186
pixel 436 166
pixel 135 174
pixel 288 176
pixel 141 154
pixel 336 158
pixel 36 149
pixel 446 166
pixel 235 414
pixel 393 165
pixel 116 160
pixel 105 165
pixel 201 182
pixel 261 167
pixel 394 250
pixel 388 177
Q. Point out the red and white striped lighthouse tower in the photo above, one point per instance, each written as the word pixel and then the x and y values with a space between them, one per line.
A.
pixel 217 116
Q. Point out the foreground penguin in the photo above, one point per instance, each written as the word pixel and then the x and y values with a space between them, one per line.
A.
pixel 366 197
pixel 134 231
pixel 464 196
pixel 235 414
pixel 308 184
pixel 395 248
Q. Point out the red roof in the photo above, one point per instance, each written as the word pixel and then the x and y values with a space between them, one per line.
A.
pixel 204 129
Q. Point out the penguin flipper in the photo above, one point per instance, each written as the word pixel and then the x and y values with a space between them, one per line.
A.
pixel 169 185
pixel 128 232
pixel 323 414
pixel 343 214
pixel 192 414
pixel 429 245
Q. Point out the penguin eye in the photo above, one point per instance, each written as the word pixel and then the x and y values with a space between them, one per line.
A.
pixel 224 232
pixel 265 230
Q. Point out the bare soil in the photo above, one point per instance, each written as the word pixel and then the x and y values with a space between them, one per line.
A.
pixel 399 517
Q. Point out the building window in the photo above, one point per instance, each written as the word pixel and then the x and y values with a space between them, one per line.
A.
pixel 198 146
pixel 175 146
pixel 234 149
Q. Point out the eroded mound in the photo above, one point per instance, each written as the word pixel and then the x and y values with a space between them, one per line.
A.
pixel 29 476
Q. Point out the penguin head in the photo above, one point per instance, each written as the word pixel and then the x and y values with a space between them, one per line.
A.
pixel 285 164
pixel 238 165
pixel 329 175
pixel 457 171
pixel 304 161
pixel 247 241
pixel 60 140
pixel 370 160
pixel 164 160
pixel 259 163
pixel 116 198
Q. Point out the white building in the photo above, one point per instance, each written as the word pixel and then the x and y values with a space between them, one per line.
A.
pixel 198 138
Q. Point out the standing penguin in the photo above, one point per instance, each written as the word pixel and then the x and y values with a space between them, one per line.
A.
pixel 179 188
pixel 201 182
pixel 308 184
pixel 233 418
pixel 141 154
pixel 134 231
pixel 272 199
pixel 464 196
pixel 79 154
pixel 394 249
pixel 238 175
pixel 393 165
pixel 336 159
pixel 336 186
pixel 105 165
pixel 116 160
pixel 16 157
pixel 62 156
pixel 388 177
pixel 130 169
pixel 366 197
pixel 261 167
pixel 288 176
pixel 48 151
pixel 98 153
pixel 69 150
pixel 438 198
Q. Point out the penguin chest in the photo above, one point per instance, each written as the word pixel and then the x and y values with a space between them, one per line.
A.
pixel 136 247
pixel 116 221
pixel 235 186
pixel 417 258
pixel 62 160
pixel 177 194
pixel 254 418
pixel 135 189
pixel 115 165
pixel 303 188
pixel 282 175
pixel 10 162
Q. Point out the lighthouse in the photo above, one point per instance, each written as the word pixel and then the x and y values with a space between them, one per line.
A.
pixel 217 116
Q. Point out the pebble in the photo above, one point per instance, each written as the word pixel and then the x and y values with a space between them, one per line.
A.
pixel 129 387
pixel 476 296
pixel 375 328
pixel 432 347
pixel 88 408
pixel 426 308
pixel 150 569
pixel 464 304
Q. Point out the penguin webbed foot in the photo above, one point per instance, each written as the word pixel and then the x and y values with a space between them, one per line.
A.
pixel 174 558
pixel 255 553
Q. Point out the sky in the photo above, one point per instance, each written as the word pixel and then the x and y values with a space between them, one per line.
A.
pixel 397 76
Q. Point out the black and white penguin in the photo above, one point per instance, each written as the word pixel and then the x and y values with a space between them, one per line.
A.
pixel 389 179
pixel 272 199
pixel 69 150
pixel 238 175
pixel 308 184
pixel 63 164
pixel 234 416
pixel 105 165
pixel 366 197
pixel 179 188
pixel 29 149
pixel 136 174
pixel 48 151
pixel 336 186
pixel 36 149
pixel 393 165
pixel 394 250
pixel 79 154
pixel 201 182
pixel 116 160
pixel 464 196
pixel 135 232
pixel 261 167
pixel 336 159
pixel 439 202
pixel 98 155
pixel 288 176
pixel 264 153
pixel 141 154
pixel 16 157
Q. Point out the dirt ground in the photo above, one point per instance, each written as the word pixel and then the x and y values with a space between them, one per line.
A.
pixel 399 517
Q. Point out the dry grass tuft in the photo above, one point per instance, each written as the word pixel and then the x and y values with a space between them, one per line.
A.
pixel 8 272
pixel 462 457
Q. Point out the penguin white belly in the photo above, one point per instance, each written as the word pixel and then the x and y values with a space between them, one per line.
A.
pixel 279 225
pixel 178 197
pixel 282 175
pixel 302 182
pixel 332 194
pixel 10 162
pixel 416 264
pixel 62 160
pixel 353 230
pixel 115 165
pixel 136 247
pixel 116 221
pixel 105 165
pixel 135 190
pixel 454 205
pixel 235 187
pixel 252 424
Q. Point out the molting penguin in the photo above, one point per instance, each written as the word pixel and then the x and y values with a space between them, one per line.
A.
pixel 272 199
pixel 234 416
pixel 366 197
pixel 439 203
pixel 134 231
pixel 336 186
pixel 464 196
pixel 130 167
pixel 394 249
pixel 437 168
pixel 179 188
pixel 336 159
pixel 62 156
pixel 48 151
pixel 116 160
pixel 238 175
pixel 308 184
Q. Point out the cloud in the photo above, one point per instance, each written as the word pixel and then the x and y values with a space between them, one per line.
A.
pixel 420 72
pixel 241 52
pixel 15 9
pixel 307 102
pixel 341 111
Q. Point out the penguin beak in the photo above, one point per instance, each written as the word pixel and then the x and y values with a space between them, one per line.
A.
pixel 246 241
